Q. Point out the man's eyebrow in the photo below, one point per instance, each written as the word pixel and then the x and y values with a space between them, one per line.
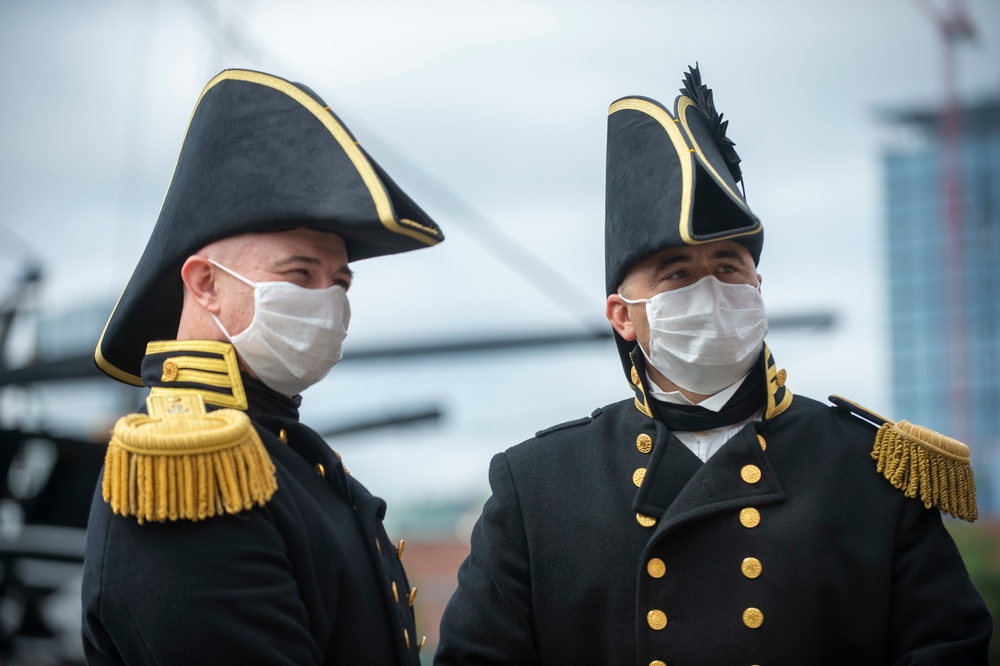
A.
pixel 296 258
pixel 314 261
pixel 672 260
pixel 726 253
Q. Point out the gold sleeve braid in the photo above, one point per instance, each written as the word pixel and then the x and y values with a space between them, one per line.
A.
pixel 180 462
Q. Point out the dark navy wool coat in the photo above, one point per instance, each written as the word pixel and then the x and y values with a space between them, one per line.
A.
pixel 309 578
pixel 786 548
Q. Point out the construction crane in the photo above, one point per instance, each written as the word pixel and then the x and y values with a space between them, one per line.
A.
pixel 954 26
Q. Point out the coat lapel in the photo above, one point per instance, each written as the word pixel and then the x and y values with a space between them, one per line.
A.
pixel 737 476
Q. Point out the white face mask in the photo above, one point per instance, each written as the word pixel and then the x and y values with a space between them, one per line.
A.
pixel 706 336
pixel 295 336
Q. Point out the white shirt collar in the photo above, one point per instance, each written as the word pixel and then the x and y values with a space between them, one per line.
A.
pixel 713 403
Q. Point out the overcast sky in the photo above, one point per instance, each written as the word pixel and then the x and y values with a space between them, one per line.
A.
pixel 492 116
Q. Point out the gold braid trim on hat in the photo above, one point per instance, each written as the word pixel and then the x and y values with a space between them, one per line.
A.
pixel 926 464
pixel 181 462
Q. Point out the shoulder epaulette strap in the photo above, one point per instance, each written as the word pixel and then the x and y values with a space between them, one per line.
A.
pixel 569 424
pixel 922 463
pixel 181 462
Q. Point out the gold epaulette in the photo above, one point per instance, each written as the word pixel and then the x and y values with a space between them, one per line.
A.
pixel 182 462
pixel 922 463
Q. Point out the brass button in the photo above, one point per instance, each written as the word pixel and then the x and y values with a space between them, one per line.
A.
pixel 763 444
pixel 423 639
pixel 395 592
pixel 750 517
pixel 634 376
pixel 638 475
pixel 657 619
pixel 413 596
pixel 378 546
pixel 657 662
pixel 781 377
pixel 321 469
pixel 644 443
pixel 656 568
pixel 753 618
pixel 750 473
pixel 399 548
pixel 406 638
pixel 339 457
pixel 283 435
pixel 169 371
pixel 751 567
pixel 645 521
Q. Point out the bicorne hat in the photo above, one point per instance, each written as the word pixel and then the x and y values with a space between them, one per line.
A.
pixel 671 181
pixel 261 154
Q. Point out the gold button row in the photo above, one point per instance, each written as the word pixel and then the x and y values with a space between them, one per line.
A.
pixel 644 443
pixel 751 567
pixel 753 618
pixel 750 517
pixel 657 619
pixel 750 473
pixel 638 475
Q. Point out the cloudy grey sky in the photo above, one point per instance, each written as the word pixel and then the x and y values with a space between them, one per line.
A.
pixel 492 115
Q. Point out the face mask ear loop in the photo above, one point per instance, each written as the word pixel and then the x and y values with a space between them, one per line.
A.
pixel 221 327
pixel 242 279
pixel 631 302
pixel 233 273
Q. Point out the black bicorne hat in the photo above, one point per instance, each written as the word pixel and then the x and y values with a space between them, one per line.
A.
pixel 671 181
pixel 261 154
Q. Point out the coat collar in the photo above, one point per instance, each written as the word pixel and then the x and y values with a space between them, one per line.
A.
pixel 210 369
pixel 779 397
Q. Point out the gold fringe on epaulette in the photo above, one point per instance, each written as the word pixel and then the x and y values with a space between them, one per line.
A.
pixel 926 464
pixel 192 468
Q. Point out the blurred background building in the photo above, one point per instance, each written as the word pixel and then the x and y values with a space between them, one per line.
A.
pixel 944 277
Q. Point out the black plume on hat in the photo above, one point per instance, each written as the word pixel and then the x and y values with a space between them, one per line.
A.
pixel 261 154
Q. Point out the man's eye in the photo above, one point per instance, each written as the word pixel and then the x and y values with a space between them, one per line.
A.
pixel 678 275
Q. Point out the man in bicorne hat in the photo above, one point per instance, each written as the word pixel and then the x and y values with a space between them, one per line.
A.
pixel 714 518
pixel 223 530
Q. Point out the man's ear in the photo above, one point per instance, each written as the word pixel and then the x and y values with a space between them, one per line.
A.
pixel 198 276
pixel 617 313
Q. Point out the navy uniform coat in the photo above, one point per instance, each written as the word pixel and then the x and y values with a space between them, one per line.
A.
pixel 309 578
pixel 786 548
